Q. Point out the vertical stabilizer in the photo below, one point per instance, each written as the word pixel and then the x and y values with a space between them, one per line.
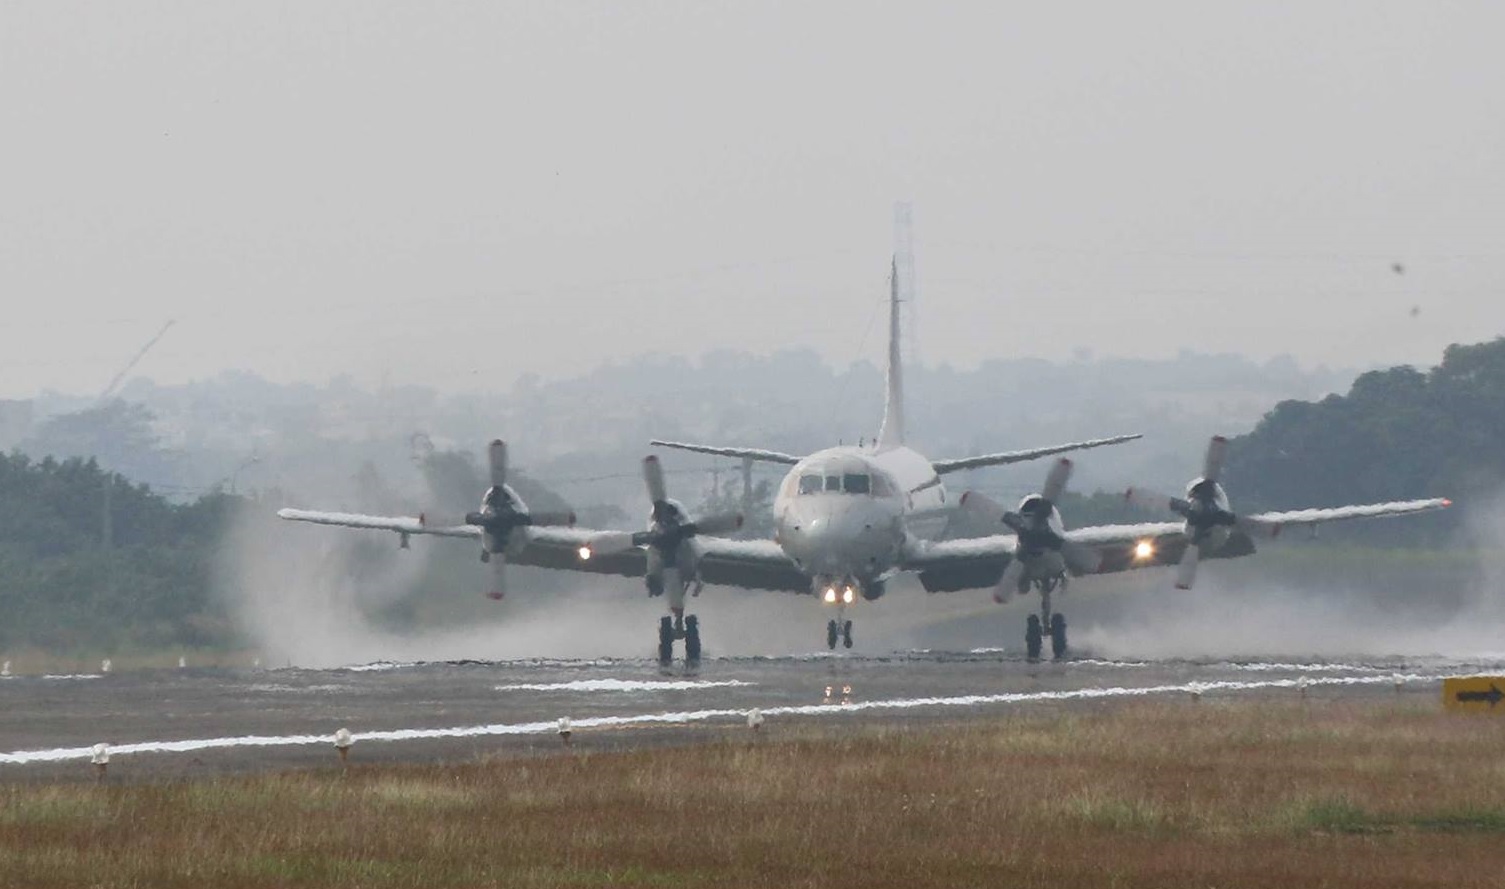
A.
pixel 891 434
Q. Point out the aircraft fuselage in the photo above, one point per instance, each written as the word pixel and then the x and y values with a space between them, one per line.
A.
pixel 843 514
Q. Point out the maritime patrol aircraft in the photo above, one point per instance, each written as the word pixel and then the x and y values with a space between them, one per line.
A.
pixel 849 519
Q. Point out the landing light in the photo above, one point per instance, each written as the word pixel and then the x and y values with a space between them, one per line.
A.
pixel 848 595
pixel 1144 550
pixel 585 553
pixel 830 596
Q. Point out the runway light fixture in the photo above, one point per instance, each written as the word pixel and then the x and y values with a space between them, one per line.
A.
pixel 1143 550
pixel 585 553
pixel 848 595
pixel 830 596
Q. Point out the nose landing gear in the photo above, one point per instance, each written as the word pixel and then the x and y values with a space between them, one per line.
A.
pixel 838 629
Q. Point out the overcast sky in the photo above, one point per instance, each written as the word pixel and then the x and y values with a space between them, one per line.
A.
pixel 459 193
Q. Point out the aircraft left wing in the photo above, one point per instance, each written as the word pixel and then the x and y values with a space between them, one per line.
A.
pixel 944 466
pixel 972 563
pixel 1271 523
pixel 978 562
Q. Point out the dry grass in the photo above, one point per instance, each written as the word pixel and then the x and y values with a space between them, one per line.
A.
pixel 1248 793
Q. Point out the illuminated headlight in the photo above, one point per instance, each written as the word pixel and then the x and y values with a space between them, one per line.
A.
pixel 848 595
pixel 1144 550
pixel 830 596
pixel 585 553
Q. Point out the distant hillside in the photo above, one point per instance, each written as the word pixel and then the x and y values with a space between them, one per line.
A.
pixel 1397 434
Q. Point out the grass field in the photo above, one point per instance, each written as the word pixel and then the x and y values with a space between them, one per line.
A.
pixel 1252 792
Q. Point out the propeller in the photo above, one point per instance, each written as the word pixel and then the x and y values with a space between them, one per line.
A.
pixel 502 511
pixel 1205 509
pixel 1038 530
pixel 670 539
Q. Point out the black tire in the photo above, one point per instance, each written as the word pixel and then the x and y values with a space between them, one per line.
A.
pixel 1033 637
pixel 692 639
pixel 665 641
pixel 846 634
pixel 1058 636
pixel 831 634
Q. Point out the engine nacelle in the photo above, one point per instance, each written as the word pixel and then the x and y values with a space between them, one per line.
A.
pixel 874 590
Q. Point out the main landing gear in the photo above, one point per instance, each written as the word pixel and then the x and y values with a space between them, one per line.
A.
pixel 671 629
pixel 1036 627
pixel 838 629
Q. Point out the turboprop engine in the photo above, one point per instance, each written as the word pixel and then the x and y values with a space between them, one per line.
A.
pixel 672 553
pixel 1042 553
pixel 1209 520
pixel 502 512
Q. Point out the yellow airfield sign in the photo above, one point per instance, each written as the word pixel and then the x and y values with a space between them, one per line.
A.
pixel 1474 694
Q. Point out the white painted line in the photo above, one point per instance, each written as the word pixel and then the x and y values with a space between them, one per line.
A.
pixel 62 754
pixel 623 685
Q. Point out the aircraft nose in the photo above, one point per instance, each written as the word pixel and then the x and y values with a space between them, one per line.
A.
pixel 836 536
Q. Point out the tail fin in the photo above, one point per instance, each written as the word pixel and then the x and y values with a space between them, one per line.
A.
pixel 891 433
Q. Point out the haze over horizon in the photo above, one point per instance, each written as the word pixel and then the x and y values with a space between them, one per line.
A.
pixel 458 195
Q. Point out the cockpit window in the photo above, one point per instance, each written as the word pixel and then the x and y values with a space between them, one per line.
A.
pixel 810 484
pixel 833 483
pixel 881 487
pixel 853 483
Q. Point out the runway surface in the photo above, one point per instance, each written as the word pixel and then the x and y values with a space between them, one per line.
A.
pixel 164 723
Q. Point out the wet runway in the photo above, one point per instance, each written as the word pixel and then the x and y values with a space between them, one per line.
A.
pixel 163 723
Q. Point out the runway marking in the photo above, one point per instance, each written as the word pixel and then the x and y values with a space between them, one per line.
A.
pixel 623 685
pixel 63 754
pixel 57 676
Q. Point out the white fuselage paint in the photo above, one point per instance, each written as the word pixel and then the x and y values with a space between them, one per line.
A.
pixel 839 536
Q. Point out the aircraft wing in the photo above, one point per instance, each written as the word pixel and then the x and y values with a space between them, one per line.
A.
pixel 1271 523
pixel 748 453
pixel 976 563
pixel 944 466
pixel 752 564
pixel 400 524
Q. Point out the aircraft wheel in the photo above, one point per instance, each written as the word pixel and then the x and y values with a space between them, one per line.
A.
pixel 1058 636
pixel 831 633
pixel 692 640
pixel 665 641
pixel 1033 637
pixel 846 634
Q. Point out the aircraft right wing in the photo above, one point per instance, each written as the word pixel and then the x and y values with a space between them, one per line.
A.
pixel 746 453
pixel 752 564
pixel 944 466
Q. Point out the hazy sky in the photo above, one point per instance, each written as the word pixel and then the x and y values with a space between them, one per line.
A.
pixel 457 193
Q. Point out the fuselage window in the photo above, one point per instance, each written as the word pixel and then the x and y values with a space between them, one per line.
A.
pixel 857 484
pixel 833 483
pixel 810 484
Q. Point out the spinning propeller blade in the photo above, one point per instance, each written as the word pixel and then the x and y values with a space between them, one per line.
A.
pixel 1055 483
pixel 1008 584
pixel 1212 465
pixel 653 474
pixel 497 459
pixel 1186 569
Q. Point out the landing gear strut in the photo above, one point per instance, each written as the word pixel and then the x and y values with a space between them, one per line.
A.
pixel 1037 626
pixel 671 629
pixel 838 629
